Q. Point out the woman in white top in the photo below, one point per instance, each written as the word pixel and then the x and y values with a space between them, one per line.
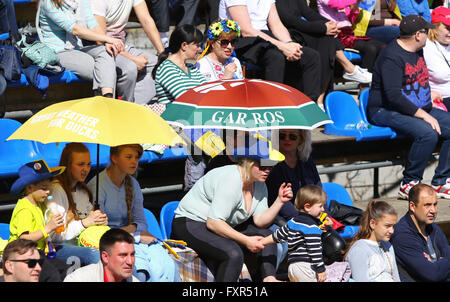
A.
pixel 266 42
pixel 219 64
pixel 74 200
pixel 370 255
pixel 437 56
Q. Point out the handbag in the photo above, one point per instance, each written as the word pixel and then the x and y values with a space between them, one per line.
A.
pixel 37 52
pixel 345 214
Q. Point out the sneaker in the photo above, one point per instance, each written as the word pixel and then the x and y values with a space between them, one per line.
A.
pixel 443 191
pixel 359 75
pixel 403 192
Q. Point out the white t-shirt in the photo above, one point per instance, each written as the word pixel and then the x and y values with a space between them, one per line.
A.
pixel 258 10
pixel 214 71
pixel 437 58
pixel 116 13
pixel 83 208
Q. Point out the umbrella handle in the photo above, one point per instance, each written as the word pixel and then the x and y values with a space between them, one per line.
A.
pixel 96 205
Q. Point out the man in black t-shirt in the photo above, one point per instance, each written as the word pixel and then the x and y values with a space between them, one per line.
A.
pixel 400 98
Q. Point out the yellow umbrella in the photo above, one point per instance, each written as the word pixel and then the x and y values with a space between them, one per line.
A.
pixel 97 120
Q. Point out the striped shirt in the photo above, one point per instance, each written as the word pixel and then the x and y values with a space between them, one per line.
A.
pixel 172 81
pixel 54 22
pixel 304 241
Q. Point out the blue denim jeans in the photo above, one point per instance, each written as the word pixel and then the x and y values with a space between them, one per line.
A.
pixel 384 34
pixel 424 142
pixel 77 256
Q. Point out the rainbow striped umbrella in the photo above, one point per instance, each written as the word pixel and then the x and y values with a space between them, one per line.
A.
pixel 248 105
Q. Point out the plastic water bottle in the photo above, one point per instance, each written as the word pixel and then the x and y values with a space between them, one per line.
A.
pixel 52 210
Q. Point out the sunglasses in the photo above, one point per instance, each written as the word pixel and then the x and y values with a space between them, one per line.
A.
pixel 424 31
pixel 224 43
pixel 263 167
pixel 31 262
pixel 292 136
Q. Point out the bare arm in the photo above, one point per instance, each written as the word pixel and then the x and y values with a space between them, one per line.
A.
pixel 149 26
pixel 266 218
pixel 223 229
pixel 239 13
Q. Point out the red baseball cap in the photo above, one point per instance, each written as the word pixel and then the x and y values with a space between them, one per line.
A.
pixel 441 14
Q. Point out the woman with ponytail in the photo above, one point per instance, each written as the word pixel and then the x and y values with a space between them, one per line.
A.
pixel 71 194
pixel 120 197
pixel 173 75
pixel 370 255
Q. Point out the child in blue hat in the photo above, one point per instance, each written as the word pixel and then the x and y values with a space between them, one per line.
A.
pixel 27 220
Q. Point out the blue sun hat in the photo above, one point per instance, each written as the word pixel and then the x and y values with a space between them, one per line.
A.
pixel 258 148
pixel 33 172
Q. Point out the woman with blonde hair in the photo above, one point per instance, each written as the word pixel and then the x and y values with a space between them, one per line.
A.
pixel 121 198
pixel 225 215
pixel 298 167
pixel 370 255
pixel 74 199
pixel 437 56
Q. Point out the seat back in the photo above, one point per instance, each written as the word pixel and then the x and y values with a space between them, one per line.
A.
pixel 4 231
pixel 363 99
pixel 166 217
pixel 50 152
pixel 337 192
pixel 342 109
pixel 104 154
pixel 14 153
pixel 152 224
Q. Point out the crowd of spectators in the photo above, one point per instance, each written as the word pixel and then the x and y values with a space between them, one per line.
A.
pixel 405 52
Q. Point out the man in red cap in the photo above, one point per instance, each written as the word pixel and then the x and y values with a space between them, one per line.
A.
pixel 437 56
pixel 400 98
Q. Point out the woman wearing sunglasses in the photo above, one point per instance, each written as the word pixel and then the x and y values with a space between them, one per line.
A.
pixel 225 216
pixel 218 63
pixel 298 167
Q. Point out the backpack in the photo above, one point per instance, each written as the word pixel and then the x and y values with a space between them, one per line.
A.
pixel 37 52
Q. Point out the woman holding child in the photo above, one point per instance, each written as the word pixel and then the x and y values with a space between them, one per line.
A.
pixel 224 220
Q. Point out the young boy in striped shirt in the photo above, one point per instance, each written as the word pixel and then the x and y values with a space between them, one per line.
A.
pixel 303 235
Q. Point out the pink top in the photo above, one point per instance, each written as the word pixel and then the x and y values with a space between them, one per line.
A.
pixel 336 10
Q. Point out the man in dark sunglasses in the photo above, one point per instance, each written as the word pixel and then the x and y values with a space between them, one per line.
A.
pixel 21 261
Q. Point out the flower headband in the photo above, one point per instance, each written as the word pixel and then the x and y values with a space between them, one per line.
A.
pixel 216 29
pixel 220 26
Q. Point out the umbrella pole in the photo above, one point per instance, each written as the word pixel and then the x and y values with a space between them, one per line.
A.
pixel 96 205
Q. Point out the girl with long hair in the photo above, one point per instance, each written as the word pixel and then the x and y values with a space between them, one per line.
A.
pixel 370 255
pixel 74 200
pixel 121 198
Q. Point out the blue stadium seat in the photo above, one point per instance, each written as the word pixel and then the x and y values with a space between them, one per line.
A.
pixel 339 193
pixel 152 223
pixel 4 231
pixel 65 77
pixel 13 153
pixel 50 152
pixel 104 155
pixel 169 154
pixel 352 55
pixel 363 99
pixel 166 217
pixel 347 121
